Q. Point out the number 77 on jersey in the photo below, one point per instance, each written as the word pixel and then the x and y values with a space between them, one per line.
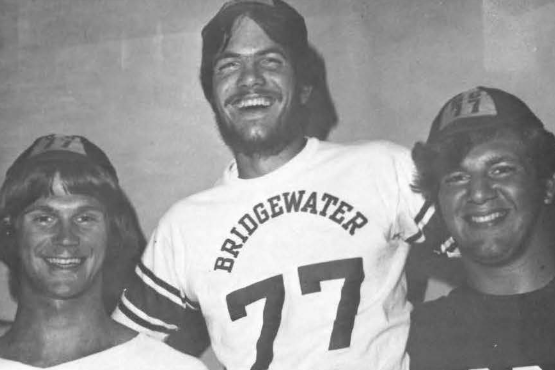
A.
pixel 310 278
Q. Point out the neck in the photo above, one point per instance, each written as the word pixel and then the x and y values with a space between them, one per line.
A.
pixel 42 317
pixel 515 279
pixel 49 331
pixel 256 165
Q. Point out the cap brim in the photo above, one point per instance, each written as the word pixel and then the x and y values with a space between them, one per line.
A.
pixel 463 125
pixel 60 156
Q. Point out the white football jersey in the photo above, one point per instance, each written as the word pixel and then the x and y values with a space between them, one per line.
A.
pixel 299 269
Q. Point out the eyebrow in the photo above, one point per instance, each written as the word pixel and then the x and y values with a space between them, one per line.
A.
pixel 33 208
pixel 271 50
pixel 48 209
pixel 502 158
pixel 491 161
pixel 496 159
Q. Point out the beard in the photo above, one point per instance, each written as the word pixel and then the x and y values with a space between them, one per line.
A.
pixel 275 139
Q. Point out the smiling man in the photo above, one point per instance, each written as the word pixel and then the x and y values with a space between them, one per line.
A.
pixel 68 235
pixel 296 257
pixel 257 102
pixel 70 264
pixel 489 165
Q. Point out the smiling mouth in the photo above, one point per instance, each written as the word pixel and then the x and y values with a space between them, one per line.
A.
pixel 65 263
pixel 259 102
pixel 489 219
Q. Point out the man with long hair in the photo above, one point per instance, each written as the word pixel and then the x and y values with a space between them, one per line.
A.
pixel 69 236
pixel 296 257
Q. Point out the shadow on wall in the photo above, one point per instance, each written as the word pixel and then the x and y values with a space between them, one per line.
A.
pixel 322 116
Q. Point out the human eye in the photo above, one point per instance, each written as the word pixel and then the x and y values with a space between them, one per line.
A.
pixel 455 178
pixel 226 65
pixel 272 61
pixel 503 169
pixel 42 218
pixel 89 217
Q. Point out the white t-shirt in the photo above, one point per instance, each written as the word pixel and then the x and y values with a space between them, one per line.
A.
pixel 139 353
pixel 302 268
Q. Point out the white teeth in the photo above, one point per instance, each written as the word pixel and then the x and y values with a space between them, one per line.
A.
pixel 487 218
pixel 64 261
pixel 254 102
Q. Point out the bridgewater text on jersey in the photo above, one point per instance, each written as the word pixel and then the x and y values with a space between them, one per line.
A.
pixel 324 205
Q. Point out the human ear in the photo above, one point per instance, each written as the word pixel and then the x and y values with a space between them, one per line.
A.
pixel 7 226
pixel 306 90
pixel 549 190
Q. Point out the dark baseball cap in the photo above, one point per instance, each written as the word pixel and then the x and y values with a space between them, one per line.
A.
pixel 67 148
pixel 480 108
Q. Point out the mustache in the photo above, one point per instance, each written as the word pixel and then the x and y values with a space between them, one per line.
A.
pixel 249 93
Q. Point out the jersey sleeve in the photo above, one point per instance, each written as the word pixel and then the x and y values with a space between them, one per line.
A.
pixel 155 303
pixel 419 222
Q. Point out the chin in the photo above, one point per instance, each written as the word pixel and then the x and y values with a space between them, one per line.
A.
pixel 65 291
pixel 255 143
pixel 261 139
pixel 492 255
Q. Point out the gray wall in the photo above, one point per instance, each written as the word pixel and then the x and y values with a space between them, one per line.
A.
pixel 124 74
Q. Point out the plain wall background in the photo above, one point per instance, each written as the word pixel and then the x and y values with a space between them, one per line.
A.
pixel 124 74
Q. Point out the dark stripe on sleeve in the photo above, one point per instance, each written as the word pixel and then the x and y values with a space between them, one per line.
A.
pixel 425 207
pixel 167 287
pixel 161 283
pixel 435 235
pixel 423 210
pixel 145 324
pixel 153 304
pixel 414 237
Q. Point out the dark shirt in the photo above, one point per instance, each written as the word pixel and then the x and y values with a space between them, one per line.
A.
pixel 470 330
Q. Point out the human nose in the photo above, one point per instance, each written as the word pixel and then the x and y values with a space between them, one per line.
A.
pixel 251 75
pixel 65 235
pixel 480 190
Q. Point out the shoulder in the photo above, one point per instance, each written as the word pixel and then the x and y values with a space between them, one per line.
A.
pixel 164 356
pixel 187 209
pixel 375 147
pixel 436 323
pixel 370 157
pixel 435 335
pixel 443 308
pixel 14 365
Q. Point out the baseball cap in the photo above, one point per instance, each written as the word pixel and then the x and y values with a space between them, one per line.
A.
pixel 69 148
pixel 480 108
pixel 291 24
